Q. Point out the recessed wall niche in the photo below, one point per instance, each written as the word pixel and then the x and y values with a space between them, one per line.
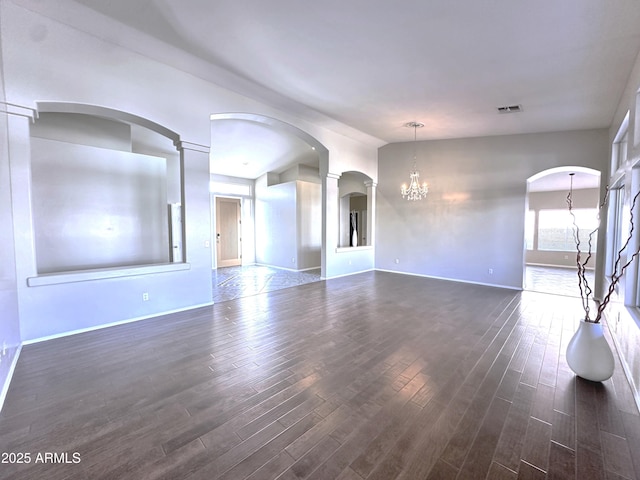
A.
pixel 100 193
pixel 353 209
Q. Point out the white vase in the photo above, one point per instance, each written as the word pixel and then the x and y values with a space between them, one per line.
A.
pixel 354 238
pixel 589 354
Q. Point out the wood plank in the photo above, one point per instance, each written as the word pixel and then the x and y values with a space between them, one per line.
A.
pixel 376 375
pixel 535 449
pixel 562 463
pixel 509 449
pixel 479 459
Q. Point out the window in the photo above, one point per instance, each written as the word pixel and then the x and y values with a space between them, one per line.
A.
pixel 619 147
pixel 555 229
pixel 620 229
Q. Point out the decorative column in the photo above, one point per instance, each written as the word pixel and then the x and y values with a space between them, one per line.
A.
pixel 331 221
pixel 196 218
pixel 371 212
pixel 15 214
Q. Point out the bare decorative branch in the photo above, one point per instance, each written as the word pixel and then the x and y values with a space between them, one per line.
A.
pixel 618 268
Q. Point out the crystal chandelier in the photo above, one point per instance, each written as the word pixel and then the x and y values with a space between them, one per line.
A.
pixel 414 191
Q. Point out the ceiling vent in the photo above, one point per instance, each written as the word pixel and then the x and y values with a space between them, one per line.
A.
pixel 510 109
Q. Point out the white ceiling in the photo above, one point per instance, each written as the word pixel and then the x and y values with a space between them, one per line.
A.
pixel 374 65
pixel 247 149
pixel 560 181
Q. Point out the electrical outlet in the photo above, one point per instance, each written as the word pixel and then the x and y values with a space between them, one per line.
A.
pixel 397 260
pixel 145 297
pixel 491 271
pixel 4 348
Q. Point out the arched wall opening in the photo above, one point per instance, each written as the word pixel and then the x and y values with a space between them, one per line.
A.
pixel 107 190
pixel 276 169
pixel 549 245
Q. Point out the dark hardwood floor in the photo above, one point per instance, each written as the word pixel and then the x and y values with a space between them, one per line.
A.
pixel 376 376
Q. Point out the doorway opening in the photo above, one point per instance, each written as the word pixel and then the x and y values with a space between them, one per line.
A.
pixel 272 169
pixel 550 247
pixel 228 234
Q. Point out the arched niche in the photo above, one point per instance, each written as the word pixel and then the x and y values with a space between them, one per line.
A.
pixel 355 215
pixel 106 189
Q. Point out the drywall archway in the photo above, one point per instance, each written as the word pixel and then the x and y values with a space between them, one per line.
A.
pixel 276 124
pixel 116 283
pixel 546 199
pixel 559 170
pixel 77 153
pixel 110 113
pixel 268 132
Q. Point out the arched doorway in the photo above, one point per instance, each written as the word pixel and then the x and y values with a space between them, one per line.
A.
pixel 550 248
pixel 272 169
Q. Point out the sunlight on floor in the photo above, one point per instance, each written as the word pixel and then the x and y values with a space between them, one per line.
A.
pixel 558 281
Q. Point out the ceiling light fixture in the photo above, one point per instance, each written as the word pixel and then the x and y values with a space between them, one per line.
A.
pixel 415 191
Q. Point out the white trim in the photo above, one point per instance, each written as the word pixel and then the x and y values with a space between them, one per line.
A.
pixel 113 324
pixel 566 168
pixel 103 273
pixel 7 382
pixel 495 285
pixel 354 249
pixel 567 267
pixel 622 129
pixel 348 274
pixel 280 268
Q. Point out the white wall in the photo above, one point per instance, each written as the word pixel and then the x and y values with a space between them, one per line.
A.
pixel 97 207
pixel 288 219
pixel 473 217
pixel 309 224
pixel 276 225
pixel 62 55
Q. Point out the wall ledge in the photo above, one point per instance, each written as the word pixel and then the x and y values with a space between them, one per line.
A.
pixel 353 249
pixel 103 273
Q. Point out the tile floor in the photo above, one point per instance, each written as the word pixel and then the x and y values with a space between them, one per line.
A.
pixel 558 281
pixel 236 282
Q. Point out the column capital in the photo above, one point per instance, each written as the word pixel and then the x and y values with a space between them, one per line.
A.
pixel 184 145
pixel 371 184
pixel 335 176
pixel 18 110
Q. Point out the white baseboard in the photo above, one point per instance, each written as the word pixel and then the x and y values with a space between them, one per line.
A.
pixel 7 382
pixel 112 324
pixel 495 285
pixel 348 274
pixel 284 268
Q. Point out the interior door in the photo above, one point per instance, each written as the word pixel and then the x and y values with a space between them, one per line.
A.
pixel 228 234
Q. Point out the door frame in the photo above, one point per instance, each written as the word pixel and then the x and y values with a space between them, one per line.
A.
pixel 214 225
